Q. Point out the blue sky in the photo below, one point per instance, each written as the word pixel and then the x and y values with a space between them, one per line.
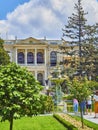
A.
pixel 40 18
pixel 9 6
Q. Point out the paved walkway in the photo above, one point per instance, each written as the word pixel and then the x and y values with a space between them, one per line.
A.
pixel 91 118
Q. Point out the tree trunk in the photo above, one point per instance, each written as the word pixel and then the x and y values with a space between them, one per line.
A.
pixel 11 121
pixel 81 113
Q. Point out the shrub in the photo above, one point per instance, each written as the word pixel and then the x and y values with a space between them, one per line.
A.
pixel 47 104
pixel 65 123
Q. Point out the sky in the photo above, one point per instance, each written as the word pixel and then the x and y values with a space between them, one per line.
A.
pixel 40 18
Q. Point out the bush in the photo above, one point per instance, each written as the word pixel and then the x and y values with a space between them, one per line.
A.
pixel 47 104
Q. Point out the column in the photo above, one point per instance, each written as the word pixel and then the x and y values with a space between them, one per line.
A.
pixel 45 56
pixel 16 55
pixel 25 56
pixel 36 75
pixel 35 58
pixel 45 74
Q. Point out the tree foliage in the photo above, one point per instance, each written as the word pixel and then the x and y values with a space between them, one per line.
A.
pixel 80 88
pixel 1 43
pixel 19 93
pixel 4 57
pixel 81 39
pixel 47 104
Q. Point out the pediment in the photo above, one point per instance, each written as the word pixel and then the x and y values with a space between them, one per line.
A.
pixel 30 40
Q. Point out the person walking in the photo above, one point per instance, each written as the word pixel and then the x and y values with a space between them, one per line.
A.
pixel 96 103
pixel 89 105
pixel 83 106
pixel 75 105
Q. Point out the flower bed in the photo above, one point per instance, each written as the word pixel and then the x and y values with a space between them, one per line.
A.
pixel 74 122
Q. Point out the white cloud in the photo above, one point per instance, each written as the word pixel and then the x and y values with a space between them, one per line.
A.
pixel 44 18
pixel 64 7
pixel 91 6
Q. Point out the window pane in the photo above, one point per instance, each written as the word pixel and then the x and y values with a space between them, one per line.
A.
pixel 30 58
pixel 21 58
pixel 40 58
pixel 53 58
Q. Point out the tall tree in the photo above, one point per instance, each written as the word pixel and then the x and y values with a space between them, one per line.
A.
pixel 91 51
pixel 80 89
pixel 4 57
pixel 80 35
pixel 19 93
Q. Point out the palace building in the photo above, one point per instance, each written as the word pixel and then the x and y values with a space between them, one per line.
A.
pixel 37 55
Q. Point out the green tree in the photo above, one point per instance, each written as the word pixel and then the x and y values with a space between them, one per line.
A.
pixel 1 43
pixel 19 93
pixel 4 57
pixel 81 41
pixel 47 104
pixel 90 62
pixel 81 88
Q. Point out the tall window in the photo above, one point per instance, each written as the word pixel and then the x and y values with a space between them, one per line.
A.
pixel 40 57
pixel 53 58
pixel 30 58
pixel 40 78
pixel 21 58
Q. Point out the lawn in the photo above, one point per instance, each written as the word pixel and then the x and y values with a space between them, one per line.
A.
pixel 34 123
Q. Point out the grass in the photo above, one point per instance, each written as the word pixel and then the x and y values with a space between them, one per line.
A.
pixel 34 123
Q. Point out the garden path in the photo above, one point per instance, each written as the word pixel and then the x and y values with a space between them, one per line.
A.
pixel 88 117
pixel 91 118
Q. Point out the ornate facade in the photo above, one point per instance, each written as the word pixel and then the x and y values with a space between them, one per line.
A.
pixel 38 56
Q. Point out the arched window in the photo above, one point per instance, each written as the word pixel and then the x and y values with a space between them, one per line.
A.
pixel 53 58
pixel 40 57
pixel 30 58
pixel 21 58
pixel 40 78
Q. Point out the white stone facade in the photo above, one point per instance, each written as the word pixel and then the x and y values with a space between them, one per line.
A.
pixel 38 56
